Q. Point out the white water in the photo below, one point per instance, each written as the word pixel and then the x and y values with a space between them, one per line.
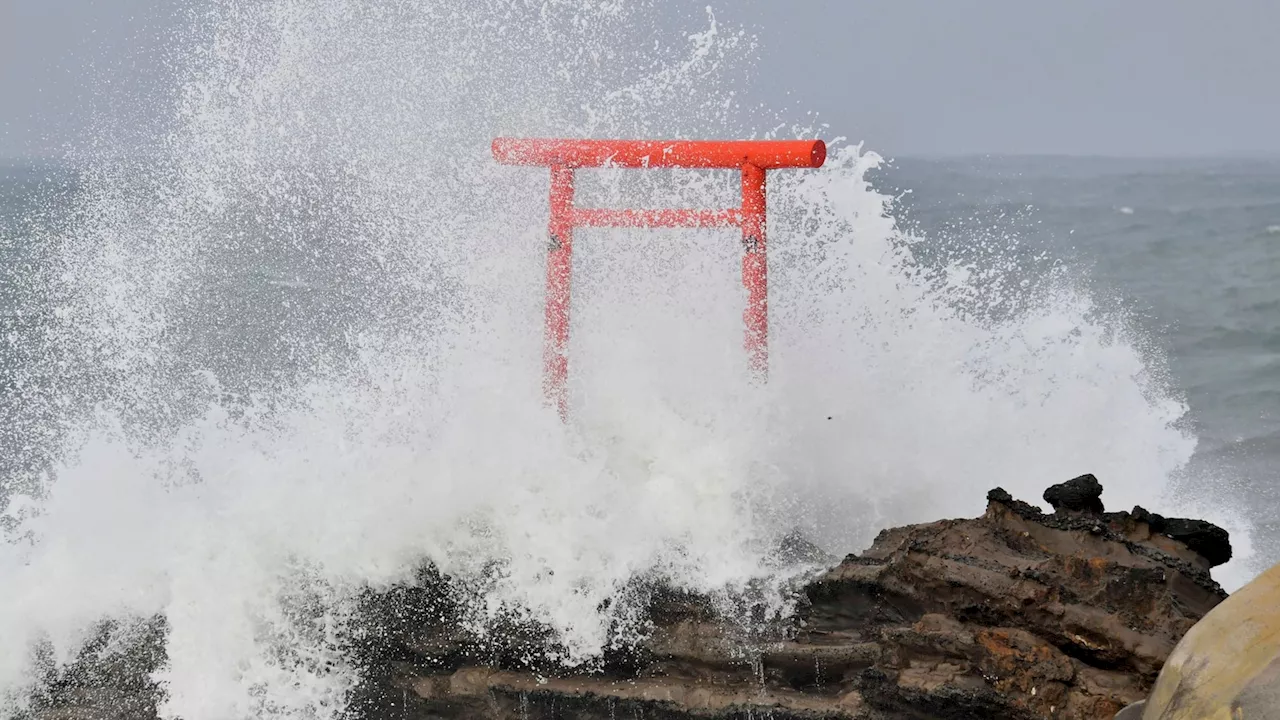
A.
pixel 409 425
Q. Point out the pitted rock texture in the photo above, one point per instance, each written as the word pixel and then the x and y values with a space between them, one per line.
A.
pixel 1083 494
pixel 1014 615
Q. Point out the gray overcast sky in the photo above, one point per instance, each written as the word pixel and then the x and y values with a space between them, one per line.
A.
pixel 911 77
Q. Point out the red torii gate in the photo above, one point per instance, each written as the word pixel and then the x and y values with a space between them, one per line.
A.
pixel 563 157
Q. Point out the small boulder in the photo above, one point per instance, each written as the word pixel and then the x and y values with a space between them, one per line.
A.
pixel 1143 515
pixel 1228 664
pixel 999 495
pixel 1083 494
pixel 1201 537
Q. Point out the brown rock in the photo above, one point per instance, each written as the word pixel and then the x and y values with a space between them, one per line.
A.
pixel 1228 665
pixel 1014 615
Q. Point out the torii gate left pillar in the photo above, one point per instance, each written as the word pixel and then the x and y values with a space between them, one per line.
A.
pixel 751 157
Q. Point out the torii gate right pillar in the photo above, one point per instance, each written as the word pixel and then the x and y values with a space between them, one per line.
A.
pixel 755 269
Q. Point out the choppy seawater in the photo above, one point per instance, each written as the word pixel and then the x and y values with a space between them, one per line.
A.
pixel 1190 247
pixel 1184 254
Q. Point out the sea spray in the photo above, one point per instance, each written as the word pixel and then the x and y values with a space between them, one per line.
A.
pixel 297 353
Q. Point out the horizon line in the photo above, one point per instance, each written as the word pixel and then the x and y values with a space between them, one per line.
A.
pixel 57 160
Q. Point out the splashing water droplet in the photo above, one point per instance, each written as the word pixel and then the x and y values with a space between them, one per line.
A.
pixel 247 454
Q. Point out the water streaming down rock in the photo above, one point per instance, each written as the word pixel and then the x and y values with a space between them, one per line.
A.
pixel 244 458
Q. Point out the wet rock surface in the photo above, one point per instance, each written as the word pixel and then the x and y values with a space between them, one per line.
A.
pixel 1015 614
pixel 1228 665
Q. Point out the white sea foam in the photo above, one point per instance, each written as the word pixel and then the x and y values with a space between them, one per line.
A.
pixel 357 133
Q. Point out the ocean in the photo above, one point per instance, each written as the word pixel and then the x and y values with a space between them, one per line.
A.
pixel 1182 254
pixel 1188 248
pixel 292 352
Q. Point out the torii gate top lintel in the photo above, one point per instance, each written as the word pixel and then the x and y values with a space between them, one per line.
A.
pixel 705 154
pixel 563 156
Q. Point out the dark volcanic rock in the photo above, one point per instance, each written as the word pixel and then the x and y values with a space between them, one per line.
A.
pixel 1203 538
pixel 1012 615
pixel 110 678
pixel 1083 494
pixel 1022 509
pixel 1015 615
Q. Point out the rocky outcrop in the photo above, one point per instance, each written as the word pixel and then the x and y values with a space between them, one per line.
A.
pixel 111 680
pixel 1228 665
pixel 1016 614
